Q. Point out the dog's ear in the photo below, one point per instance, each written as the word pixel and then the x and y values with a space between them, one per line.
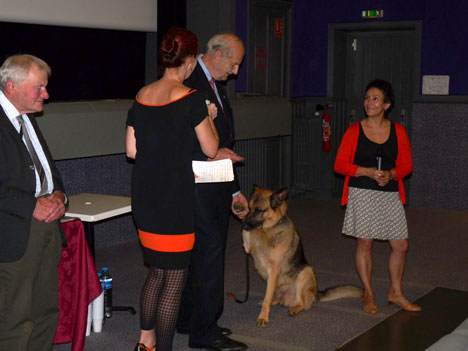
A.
pixel 255 188
pixel 278 197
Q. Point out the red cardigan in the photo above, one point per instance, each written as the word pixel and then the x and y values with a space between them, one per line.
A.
pixel 345 157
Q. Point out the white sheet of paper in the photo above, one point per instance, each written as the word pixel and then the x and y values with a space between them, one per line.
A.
pixel 213 171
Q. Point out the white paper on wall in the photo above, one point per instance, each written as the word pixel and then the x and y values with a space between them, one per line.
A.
pixel 435 85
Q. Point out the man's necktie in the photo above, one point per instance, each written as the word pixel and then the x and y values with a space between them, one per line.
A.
pixel 212 83
pixel 33 154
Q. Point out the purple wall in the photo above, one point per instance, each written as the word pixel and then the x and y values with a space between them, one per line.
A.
pixel 444 34
pixel 241 31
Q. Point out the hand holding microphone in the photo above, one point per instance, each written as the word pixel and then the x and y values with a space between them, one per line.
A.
pixel 378 157
pixel 383 179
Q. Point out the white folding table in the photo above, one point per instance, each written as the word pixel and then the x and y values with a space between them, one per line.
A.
pixel 92 208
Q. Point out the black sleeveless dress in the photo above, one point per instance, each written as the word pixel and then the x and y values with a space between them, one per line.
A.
pixel 163 180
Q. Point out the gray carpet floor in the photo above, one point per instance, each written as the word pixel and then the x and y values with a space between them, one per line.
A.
pixel 436 258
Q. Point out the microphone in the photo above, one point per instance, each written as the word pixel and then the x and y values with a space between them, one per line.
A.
pixel 379 156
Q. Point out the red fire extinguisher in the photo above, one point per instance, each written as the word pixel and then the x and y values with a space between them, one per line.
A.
pixel 326 139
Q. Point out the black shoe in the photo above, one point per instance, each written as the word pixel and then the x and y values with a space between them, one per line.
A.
pixel 225 343
pixel 224 331
pixel 182 331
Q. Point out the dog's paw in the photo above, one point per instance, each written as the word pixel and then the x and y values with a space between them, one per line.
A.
pixel 262 322
pixel 275 301
pixel 293 311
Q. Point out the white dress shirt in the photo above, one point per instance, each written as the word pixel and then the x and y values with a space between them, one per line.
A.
pixel 209 77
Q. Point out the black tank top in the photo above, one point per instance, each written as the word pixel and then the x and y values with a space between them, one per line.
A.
pixel 366 156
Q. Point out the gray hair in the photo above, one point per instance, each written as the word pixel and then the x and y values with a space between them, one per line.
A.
pixel 222 42
pixel 16 68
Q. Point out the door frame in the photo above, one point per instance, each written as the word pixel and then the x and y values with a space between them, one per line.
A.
pixel 288 7
pixel 336 73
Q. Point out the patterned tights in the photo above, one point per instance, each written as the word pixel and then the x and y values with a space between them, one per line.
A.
pixel 159 304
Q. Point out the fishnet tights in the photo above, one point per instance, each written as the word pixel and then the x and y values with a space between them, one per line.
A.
pixel 159 304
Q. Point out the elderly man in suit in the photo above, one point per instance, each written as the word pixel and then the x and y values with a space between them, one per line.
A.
pixel 32 200
pixel 203 299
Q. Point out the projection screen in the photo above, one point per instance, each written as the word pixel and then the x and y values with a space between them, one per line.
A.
pixel 137 15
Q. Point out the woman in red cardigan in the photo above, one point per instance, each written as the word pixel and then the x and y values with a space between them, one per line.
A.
pixel 375 155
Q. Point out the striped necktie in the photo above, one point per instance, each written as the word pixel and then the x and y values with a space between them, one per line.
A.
pixel 212 83
pixel 32 152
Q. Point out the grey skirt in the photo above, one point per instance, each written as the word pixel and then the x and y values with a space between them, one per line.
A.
pixel 373 214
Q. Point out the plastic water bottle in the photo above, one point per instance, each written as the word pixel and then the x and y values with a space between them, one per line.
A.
pixel 107 288
pixel 101 280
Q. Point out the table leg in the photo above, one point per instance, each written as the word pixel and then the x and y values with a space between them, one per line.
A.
pixel 124 308
pixel 89 234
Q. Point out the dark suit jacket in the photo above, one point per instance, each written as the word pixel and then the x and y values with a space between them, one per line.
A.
pixel 17 188
pixel 224 122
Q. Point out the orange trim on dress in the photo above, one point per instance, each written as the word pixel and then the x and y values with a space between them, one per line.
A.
pixel 167 243
pixel 167 103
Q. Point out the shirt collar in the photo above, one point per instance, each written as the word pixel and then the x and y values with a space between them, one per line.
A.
pixel 202 65
pixel 8 107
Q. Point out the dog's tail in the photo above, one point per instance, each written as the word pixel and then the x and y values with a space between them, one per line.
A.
pixel 339 292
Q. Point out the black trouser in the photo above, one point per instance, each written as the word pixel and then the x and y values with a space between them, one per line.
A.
pixel 29 292
pixel 203 299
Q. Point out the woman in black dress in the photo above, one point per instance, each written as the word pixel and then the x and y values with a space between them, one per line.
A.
pixel 165 123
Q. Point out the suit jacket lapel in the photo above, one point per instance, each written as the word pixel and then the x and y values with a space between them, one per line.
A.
pixel 226 107
pixel 56 178
pixel 224 111
pixel 198 80
pixel 6 124
pixel 8 127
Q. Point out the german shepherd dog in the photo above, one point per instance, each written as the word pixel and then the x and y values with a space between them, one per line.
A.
pixel 272 240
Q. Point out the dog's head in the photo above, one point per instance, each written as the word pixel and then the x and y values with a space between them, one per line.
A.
pixel 267 207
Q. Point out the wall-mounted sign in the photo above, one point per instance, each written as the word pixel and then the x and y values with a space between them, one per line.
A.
pixel 372 14
pixel 278 27
pixel 435 85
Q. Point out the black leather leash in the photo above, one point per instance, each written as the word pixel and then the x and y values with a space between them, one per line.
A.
pixel 239 208
pixel 247 278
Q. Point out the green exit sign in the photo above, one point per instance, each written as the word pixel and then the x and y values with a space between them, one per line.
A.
pixel 372 13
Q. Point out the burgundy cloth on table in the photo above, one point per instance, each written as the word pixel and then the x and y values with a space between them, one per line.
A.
pixel 78 286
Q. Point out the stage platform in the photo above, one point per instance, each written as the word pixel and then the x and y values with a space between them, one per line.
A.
pixel 442 311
